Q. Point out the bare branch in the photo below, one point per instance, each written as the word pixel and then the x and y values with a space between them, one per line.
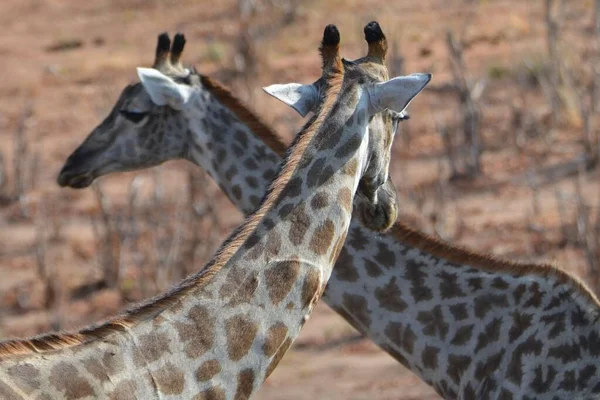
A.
pixel 20 153
pixel 468 96
pixel 109 241
pixel 554 61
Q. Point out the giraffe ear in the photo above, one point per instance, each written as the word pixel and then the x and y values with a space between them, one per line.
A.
pixel 396 93
pixel 302 98
pixel 163 90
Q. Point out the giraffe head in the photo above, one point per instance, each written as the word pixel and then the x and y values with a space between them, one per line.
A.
pixel 377 215
pixel 146 127
pixel 381 99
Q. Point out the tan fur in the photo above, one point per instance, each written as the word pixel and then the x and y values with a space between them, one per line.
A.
pixel 332 62
pixel 378 50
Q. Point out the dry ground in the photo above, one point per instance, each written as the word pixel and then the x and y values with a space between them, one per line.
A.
pixel 66 62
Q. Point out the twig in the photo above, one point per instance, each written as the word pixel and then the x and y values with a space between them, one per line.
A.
pixel 449 146
pixel 20 157
pixel 468 96
pixel 173 256
pixel 130 236
pixel 2 173
pixel 553 55
pixel 562 213
pixel 195 184
pixel 587 236
pixel 40 255
pixel 597 18
pixel 438 216
pixel 534 186
pixel 110 245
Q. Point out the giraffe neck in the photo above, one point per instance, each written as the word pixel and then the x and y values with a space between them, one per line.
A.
pixel 223 330
pixel 428 304
pixel 222 142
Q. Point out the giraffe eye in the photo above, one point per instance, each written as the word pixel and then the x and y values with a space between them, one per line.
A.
pixel 134 116
pixel 396 118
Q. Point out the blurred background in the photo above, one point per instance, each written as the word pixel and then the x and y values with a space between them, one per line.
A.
pixel 500 155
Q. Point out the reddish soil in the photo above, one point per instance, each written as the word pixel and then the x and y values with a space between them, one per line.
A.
pixel 67 61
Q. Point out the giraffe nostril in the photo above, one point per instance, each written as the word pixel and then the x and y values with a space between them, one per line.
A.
pixel 75 172
pixel 74 180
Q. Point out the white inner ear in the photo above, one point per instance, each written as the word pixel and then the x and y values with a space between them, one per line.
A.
pixel 302 98
pixel 396 93
pixel 163 90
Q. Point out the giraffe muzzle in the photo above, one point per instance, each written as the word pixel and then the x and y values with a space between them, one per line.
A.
pixel 74 179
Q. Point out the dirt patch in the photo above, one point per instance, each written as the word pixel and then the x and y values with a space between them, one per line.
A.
pixel 66 63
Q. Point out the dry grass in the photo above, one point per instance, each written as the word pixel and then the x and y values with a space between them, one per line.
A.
pixel 522 182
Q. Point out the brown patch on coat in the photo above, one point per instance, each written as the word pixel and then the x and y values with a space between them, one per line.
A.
pixel 390 297
pixel 351 167
pixel 280 279
pixel 241 333
pixel 95 368
pixel 213 393
pixel 244 292
pixel 125 390
pixel 152 347
pixel 310 287
pixel 198 335
pixel 169 379
pixel 344 198
pixel 207 370
pixel 319 200
pixel 245 384
pixel 360 308
pixel 322 238
pixel 299 224
pixel 66 380
pixel 27 374
pixel 275 336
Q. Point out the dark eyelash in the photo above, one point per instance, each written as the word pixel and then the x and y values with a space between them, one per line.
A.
pixel 133 116
pixel 400 116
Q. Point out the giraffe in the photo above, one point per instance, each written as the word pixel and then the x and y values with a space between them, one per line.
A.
pixel 222 331
pixel 307 98
pixel 429 304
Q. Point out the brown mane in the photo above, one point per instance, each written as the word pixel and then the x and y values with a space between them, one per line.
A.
pixel 153 307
